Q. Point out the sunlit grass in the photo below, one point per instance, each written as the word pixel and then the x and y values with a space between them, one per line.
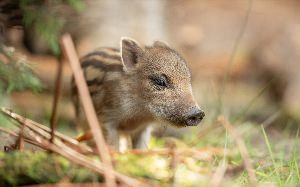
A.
pixel 274 152
pixel 272 157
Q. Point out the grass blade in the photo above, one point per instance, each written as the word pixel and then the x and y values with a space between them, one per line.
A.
pixel 272 156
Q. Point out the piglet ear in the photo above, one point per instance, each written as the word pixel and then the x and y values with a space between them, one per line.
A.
pixel 130 50
pixel 160 44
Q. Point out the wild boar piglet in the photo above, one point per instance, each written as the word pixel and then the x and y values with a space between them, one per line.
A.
pixel 135 86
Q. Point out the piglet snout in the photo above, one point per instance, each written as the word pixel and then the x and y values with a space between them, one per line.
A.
pixel 194 116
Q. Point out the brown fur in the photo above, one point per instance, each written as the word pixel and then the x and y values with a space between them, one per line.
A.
pixel 124 89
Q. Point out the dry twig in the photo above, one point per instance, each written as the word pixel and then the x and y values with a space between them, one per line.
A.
pixel 85 98
pixel 41 138
pixel 57 91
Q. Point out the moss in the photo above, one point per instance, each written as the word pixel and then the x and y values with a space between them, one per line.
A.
pixel 26 168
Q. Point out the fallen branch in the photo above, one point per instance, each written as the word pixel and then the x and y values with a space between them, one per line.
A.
pixel 41 139
pixel 15 134
pixel 45 131
pixel 85 98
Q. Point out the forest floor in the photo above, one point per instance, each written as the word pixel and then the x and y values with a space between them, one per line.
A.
pixel 211 154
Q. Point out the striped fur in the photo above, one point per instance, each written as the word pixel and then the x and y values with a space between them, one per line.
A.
pixel 100 64
pixel 97 67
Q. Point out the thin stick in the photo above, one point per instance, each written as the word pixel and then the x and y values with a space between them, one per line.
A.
pixel 45 128
pixel 57 91
pixel 21 139
pixel 243 150
pixel 45 131
pixel 70 53
pixel 32 137
pixel 12 133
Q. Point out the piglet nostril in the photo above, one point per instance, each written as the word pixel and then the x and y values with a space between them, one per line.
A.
pixel 195 116
pixel 193 119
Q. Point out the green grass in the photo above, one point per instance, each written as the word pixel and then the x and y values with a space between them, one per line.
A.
pixel 272 157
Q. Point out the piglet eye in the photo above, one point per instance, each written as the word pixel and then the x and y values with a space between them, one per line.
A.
pixel 160 81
